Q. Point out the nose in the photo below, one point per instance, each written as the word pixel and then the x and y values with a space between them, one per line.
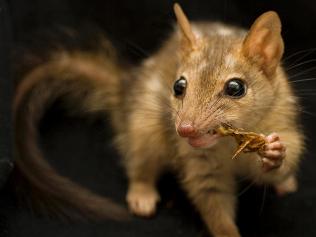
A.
pixel 186 130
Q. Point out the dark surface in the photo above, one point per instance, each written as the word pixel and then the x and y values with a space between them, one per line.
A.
pixel 80 147
pixel 5 95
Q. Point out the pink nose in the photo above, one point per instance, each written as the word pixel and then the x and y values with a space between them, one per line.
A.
pixel 186 130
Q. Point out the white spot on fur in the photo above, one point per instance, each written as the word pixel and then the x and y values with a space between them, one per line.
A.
pixel 224 31
pixel 154 84
pixel 230 61
pixel 202 66
pixel 197 32
pixel 291 99
pixel 149 62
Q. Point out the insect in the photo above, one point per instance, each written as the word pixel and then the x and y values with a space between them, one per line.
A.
pixel 247 141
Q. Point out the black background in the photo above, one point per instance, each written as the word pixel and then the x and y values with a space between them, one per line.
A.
pixel 81 146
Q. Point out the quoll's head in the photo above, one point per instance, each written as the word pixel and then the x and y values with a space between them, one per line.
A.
pixel 224 79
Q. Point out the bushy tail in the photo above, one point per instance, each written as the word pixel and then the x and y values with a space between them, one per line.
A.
pixel 93 83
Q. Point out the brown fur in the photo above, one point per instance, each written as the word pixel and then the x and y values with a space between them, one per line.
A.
pixel 150 143
pixel 73 77
pixel 149 114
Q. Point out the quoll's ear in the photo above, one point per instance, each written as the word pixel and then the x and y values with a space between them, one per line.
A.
pixel 188 40
pixel 263 44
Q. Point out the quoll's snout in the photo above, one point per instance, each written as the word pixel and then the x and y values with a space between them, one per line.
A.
pixel 186 129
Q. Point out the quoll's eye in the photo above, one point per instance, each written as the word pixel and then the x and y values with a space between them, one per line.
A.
pixel 235 88
pixel 179 86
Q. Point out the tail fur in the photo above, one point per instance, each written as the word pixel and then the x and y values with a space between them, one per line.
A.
pixel 90 79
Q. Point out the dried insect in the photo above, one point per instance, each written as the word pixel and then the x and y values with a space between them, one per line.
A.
pixel 247 141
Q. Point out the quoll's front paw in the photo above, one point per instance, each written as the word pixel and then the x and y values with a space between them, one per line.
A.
pixel 273 153
pixel 142 199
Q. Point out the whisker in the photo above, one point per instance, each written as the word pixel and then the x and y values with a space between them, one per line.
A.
pixel 247 187
pixel 304 93
pixel 139 51
pixel 300 64
pixel 304 79
pixel 305 89
pixel 263 199
pixel 306 51
pixel 302 73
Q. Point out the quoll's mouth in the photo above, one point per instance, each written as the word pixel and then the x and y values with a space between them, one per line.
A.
pixel 206 140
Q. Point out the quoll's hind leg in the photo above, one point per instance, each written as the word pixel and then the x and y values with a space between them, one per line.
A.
pixel 217 210
pixel 214 197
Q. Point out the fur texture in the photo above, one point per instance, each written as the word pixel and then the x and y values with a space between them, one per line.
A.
pixel 150 143
pixel 87 83
pixel 148 116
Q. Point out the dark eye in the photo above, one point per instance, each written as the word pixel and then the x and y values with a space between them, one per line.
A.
pixel 180 86
pixel 235 88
